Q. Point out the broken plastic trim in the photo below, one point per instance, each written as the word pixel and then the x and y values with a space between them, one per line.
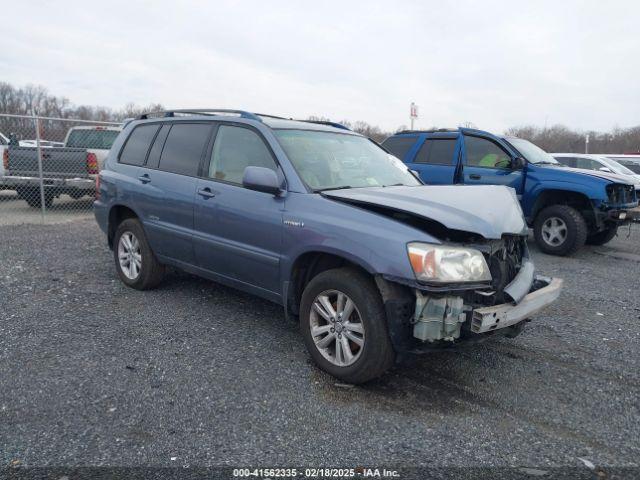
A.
pixel 488 319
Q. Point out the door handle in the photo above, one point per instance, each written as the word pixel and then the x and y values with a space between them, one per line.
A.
pixel 475 176
pixel 206 192
pixel 144 178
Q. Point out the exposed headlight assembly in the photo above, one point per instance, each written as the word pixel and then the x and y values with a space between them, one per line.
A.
pixel 443 264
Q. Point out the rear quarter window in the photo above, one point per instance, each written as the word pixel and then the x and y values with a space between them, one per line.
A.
pixel 399 146
pixel 137 145
pixel 437 151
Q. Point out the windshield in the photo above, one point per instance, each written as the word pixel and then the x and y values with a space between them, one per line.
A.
pixel 632 165
pixel 531 152
pixel 326 160
pixel 615 166
pixel 98 139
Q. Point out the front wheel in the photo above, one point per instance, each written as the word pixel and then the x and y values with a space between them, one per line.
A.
pixel 603 237
pixel 344 326
pixel 560 230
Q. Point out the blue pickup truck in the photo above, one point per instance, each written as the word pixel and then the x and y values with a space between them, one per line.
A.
pixel 566 207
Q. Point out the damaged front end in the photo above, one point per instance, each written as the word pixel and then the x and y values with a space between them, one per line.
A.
pixel 425 316
pixel 473 280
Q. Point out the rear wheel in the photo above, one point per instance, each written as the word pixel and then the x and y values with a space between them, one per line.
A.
pixel 560 230
pixel 603 237
pixel 31 195
pixel 136 264
pixel 76 194
pixel 343 324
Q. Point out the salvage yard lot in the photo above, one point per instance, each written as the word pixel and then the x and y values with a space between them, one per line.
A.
pixel 195 373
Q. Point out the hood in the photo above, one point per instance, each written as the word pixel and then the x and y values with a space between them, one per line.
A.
pixel 612 177
pixel 486 210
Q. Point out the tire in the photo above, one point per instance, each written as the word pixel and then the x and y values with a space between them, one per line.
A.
pixel 564 219
pixel 603 237
pixel 146 273
pixel 32 197
pixel 376 355
pixel 76 194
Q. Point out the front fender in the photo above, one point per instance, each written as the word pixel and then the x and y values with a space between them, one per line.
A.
pixel 376 243
pixel 532 196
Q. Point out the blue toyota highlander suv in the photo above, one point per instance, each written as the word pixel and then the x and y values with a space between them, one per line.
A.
pixel 565 206
pixel 321 220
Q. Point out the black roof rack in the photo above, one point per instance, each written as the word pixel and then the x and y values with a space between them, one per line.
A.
pixel 325 122
pixel 240 113
pixel 428 130
pixel 271 116
pixel 200 111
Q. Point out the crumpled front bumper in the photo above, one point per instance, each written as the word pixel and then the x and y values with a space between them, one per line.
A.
pixel 488 319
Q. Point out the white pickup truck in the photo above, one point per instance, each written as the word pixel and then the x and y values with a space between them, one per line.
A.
pixel 70 169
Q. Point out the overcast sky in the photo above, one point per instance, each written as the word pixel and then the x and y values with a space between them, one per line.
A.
pixel 496 64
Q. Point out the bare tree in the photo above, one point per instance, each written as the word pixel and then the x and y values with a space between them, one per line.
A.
pixel 560 138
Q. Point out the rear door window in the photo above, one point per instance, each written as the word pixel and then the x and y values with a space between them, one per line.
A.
pixel 482 152
pixel 568 161
pixel 437 151
pixel 399 146
pixel 158 144
pixel 184 147
pixel 235 149
pixel 137 145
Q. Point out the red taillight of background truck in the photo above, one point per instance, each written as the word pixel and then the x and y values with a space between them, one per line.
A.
pixel 5 158
pixel 92 164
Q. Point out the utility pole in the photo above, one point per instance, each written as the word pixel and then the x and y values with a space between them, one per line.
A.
pixel 413 113
pixel 586 144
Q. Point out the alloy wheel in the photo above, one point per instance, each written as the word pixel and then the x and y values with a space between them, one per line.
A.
pixel 129 255
pixel 554 231
pixel 336 328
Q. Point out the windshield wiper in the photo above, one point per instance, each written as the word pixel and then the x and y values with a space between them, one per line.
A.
pixel 548 163
pixel 343 187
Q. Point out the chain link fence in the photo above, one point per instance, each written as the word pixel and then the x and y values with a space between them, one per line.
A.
pixel 49 167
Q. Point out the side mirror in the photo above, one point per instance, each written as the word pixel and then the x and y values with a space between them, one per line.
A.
pixel 518 163
pixel 261 179
pixel 605 169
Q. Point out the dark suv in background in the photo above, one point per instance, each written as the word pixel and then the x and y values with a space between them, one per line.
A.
pixel 324 222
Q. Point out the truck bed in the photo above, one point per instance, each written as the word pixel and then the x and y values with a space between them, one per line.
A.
pixel 57 162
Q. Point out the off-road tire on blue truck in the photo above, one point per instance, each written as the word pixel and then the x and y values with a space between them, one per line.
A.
pixel 576 229
pixel 603 237
pixel 151 272
pixel 377 354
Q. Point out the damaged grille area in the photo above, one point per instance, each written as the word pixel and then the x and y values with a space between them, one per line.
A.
pixel 505 260
pixel 620 194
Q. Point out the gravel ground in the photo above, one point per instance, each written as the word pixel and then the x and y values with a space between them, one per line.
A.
pixel 194 373
pixel 15 211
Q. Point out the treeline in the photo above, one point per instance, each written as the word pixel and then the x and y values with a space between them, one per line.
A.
pixel 562 139
pixel 362 127
pixel 24 100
